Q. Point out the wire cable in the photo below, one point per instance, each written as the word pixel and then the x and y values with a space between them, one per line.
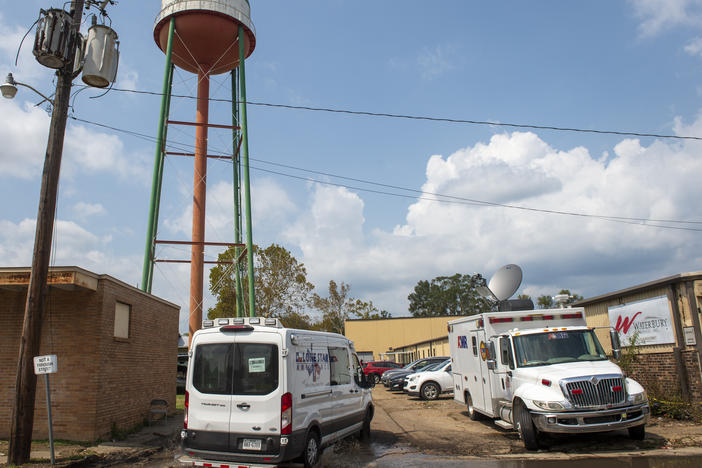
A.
pixel 443 199
pixel 431 119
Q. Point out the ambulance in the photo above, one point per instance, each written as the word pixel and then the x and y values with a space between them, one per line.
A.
pixel 542 372
pixel 258 394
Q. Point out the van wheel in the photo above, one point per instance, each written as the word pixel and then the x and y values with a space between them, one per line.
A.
pixel 637 432
pixel 366 428
pixel 526 428
pixel 310 457
pixel 472 414
pixel 429 391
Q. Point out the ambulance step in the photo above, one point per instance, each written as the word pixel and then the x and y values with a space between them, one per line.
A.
pixel 503 424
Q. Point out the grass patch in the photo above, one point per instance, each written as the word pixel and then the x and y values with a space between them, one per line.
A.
pixel 180 402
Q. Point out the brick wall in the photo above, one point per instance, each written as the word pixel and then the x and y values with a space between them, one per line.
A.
pixel 141 368
pixel 100 380
pixel 658 373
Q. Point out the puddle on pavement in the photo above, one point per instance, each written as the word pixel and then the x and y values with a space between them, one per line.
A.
pixel 357 454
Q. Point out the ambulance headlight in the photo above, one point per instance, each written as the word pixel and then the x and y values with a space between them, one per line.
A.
pixel 638 398
pixel 549 405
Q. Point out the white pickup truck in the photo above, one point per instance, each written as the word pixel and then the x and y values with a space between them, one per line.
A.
pixel 542 371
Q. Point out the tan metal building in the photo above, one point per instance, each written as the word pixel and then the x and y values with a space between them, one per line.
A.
pixel 401 339
pixel 666 313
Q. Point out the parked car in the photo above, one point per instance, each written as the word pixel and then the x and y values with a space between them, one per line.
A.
pixel 395 379
pixel 430 383
pixel 375 369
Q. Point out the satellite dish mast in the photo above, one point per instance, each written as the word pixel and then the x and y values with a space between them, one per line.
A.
pixel 505 282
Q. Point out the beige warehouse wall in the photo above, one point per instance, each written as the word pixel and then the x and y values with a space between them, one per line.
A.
pixel 379 336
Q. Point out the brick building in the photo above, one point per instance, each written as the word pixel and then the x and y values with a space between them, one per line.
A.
pixel 116 348
pixel 670 364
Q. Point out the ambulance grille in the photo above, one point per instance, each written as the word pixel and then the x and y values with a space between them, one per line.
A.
pixel 595 391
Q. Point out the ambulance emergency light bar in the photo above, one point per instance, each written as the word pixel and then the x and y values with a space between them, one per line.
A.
pixel 223 322
pixel 531 318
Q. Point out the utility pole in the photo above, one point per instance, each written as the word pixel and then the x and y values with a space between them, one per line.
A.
pixel 26 384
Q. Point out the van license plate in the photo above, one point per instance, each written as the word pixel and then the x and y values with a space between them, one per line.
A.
pixel 251 444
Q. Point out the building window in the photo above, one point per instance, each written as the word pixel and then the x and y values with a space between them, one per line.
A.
pixel 122 316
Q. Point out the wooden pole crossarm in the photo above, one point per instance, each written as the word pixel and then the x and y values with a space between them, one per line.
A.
pixel 202 124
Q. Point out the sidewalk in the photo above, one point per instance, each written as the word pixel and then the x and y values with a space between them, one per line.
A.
pixel 143 443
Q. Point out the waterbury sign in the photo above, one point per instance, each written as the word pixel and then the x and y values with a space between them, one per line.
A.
pixel 649 320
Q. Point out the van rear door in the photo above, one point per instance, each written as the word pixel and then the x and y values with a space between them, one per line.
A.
pixel 257 383
pixel 209 394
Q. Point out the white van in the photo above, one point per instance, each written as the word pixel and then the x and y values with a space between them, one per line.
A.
pixel 258 394
pixel 542 372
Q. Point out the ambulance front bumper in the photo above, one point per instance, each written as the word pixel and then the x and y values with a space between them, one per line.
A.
pixel 592 421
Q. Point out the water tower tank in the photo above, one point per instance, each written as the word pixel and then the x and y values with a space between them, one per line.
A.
pixel 206 31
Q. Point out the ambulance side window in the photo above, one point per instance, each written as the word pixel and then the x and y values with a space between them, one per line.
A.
pixel 506 352
pixel 339 366
pixel 474 342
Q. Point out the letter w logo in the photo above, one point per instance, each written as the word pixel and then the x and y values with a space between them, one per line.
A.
pixel 625 324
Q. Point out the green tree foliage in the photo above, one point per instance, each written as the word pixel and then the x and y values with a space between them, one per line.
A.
pixel 335 307
pixel 281 285
pixel 448 295
pixel 545 302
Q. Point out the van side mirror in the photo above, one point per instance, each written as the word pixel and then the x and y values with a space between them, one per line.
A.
pixel 616 344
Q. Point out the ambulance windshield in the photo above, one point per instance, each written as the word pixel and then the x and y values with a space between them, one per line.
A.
pixel 542 349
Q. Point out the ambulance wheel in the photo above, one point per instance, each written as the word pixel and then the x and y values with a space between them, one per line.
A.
pixel 429 391
pixel 638 432
pixel 472 414
pixel 310 457
pixel 526 428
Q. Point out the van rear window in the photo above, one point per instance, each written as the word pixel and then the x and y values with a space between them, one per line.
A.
pixel 236 369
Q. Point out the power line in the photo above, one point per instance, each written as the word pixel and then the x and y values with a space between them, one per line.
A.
pixel 431 119
pixel 422 195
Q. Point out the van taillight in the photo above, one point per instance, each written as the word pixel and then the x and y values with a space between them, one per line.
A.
pixel 286 414
pixel 185 418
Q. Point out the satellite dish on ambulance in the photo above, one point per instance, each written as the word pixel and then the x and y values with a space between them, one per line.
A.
pixel 505 281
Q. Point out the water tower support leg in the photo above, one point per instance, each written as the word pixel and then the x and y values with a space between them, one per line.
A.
pixel 239 306
pixel 147 270
pixel 245 161
pixel 199 194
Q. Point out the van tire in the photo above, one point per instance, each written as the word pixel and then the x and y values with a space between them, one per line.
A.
pixel 366 428
pixel 429 391
pixel 472 414
pixel 525 427
pixel 312 451
pixel 637 432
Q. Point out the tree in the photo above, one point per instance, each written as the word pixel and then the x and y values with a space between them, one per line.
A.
pixel 448 295
pixel 367 311
pixel 524 297
pixel 545 302
pixel 280 285
pixel 335 308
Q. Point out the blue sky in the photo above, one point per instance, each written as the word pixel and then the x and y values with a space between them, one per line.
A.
pixel 613 65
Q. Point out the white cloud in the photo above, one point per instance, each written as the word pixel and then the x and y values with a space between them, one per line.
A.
pixel 694 47
pixel 659 15
pixel 436 61
pixel 84 210
pixel 127 77
pixel 589 256
pixel 23 133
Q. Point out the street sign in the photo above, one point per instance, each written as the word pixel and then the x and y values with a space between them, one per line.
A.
pixel 45 364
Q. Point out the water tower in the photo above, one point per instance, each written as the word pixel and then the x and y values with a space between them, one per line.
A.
pixel 205 37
